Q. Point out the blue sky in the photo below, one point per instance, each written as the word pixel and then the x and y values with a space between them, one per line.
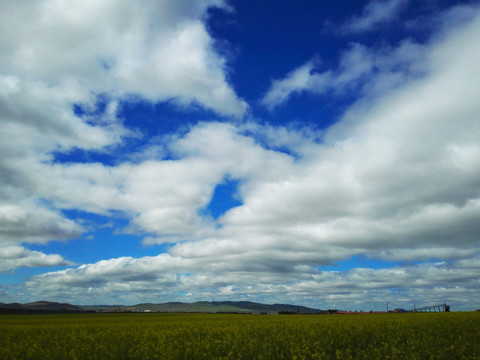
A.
pixel 309 152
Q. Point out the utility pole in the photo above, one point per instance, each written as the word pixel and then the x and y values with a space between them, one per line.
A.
pixel 387 307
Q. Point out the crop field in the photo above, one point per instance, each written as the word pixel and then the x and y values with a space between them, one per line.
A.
pixel 448 336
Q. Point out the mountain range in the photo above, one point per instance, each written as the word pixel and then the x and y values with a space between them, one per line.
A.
pixel 175 307
pixel 39 307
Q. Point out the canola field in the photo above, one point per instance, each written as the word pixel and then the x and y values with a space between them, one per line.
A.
pixel 432 336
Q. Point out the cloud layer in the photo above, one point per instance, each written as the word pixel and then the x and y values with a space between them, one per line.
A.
pixel 60 55
pixel 395 179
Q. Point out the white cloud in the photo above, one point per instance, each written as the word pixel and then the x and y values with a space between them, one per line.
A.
pixel 165 197
pixel 375 12
pixel 33 223
pixel 395 173
pixel 158 278
pixel 397 176
pixel 59 54
pixel 13 257
pixel 360 70
pixel 158 50
pixel 425 254
pixel 298 80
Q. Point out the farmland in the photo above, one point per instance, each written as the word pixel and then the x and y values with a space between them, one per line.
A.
pixel 233 336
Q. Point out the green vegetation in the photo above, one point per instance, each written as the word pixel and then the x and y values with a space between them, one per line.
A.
pixel 221 336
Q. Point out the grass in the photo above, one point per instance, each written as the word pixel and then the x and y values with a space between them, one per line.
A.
pixel 222 336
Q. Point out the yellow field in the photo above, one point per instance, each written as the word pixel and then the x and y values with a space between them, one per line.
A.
pixel 448 336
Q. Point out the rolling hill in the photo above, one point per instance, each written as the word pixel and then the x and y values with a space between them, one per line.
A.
pixel 196 307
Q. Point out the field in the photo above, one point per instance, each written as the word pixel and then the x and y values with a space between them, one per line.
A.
pixel 221 336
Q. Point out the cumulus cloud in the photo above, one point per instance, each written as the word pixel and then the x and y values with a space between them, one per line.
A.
pixel 394 174
pixel 13 257
pixel 396 177
pixel 58 55
pixel 61 57
pixel 165 197
pixel 33 223
pixel 162 277
pixel 157 50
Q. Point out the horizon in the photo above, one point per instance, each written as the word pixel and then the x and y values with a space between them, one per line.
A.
pixel 238 302
pixel 320 154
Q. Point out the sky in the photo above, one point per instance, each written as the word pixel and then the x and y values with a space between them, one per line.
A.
pixel 320 153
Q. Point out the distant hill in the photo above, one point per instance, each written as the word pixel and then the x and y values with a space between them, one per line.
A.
pixel 196 307
pixel 210 307
pixel 39 307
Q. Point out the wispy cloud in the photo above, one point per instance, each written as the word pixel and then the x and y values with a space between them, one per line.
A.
pixel 376 12
pixel 298 80
pixel 361 70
